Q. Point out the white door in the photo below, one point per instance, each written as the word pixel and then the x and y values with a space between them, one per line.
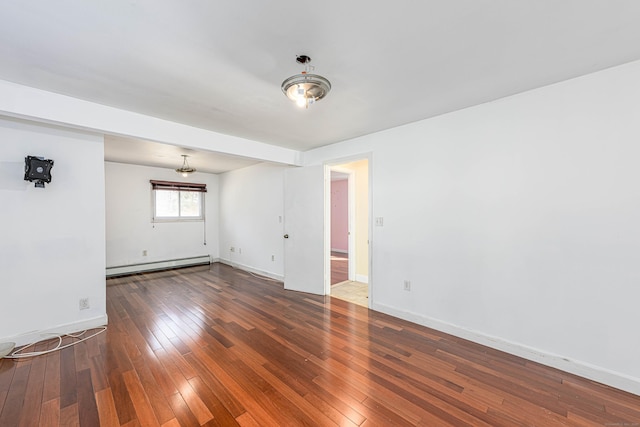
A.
pixel 304 229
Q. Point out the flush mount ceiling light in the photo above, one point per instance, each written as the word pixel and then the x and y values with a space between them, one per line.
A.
pixel 185 170
pixel 304 88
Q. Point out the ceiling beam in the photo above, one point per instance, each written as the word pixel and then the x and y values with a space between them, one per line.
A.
pixel 47 107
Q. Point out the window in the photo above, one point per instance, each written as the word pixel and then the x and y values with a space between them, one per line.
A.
pixel 178 201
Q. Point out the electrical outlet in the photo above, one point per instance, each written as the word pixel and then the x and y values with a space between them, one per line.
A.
pixel 273 257
pixel 407 285
pixel 232 249
pixel 144 253
pixel 84 304
pixel 379 221
pixel 239 250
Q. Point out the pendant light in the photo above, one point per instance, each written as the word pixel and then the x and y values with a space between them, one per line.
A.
pixel 185 170
pixel 304 88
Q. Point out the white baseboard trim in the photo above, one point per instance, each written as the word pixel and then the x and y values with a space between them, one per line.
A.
pixel 34 336
pixel 362 278
pixel 249 269
pixel 576 367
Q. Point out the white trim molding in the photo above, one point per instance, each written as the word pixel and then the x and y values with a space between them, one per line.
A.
pixel 274 276
pixel 361 278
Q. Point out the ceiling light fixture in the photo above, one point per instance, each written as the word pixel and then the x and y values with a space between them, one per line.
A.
pixel 304 88
pixel 185 170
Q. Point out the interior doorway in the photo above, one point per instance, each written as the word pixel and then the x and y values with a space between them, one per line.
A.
pixel 340 234
pixel 349 232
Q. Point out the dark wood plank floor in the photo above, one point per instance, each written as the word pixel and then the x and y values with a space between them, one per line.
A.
pixel 215 346
pixel 339 267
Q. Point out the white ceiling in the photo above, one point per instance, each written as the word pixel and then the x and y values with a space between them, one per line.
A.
pixel 218 65
pixel 147 153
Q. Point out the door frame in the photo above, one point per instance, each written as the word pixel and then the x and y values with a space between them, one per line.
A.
pixel 328 165
pixel 351 217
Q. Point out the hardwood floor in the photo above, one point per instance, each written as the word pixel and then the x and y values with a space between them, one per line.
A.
pixel 216 346
pixel 339 267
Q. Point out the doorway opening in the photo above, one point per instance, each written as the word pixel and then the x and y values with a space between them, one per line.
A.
pixel 349 232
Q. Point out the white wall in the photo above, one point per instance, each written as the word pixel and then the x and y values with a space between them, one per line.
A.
pixel 129 229
pixel 52 240
pixel 251 204
pixel 518 224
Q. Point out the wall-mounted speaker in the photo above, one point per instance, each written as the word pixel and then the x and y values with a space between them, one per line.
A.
pixel 38 170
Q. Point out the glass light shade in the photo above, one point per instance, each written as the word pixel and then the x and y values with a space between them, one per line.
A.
pixel 185 170
pixel 305 89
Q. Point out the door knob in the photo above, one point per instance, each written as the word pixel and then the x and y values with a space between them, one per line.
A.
pixel 286 236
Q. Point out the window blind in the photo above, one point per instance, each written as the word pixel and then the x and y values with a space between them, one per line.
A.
pixel 178 186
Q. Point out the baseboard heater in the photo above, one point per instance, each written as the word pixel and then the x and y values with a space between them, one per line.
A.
pixel 123 270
